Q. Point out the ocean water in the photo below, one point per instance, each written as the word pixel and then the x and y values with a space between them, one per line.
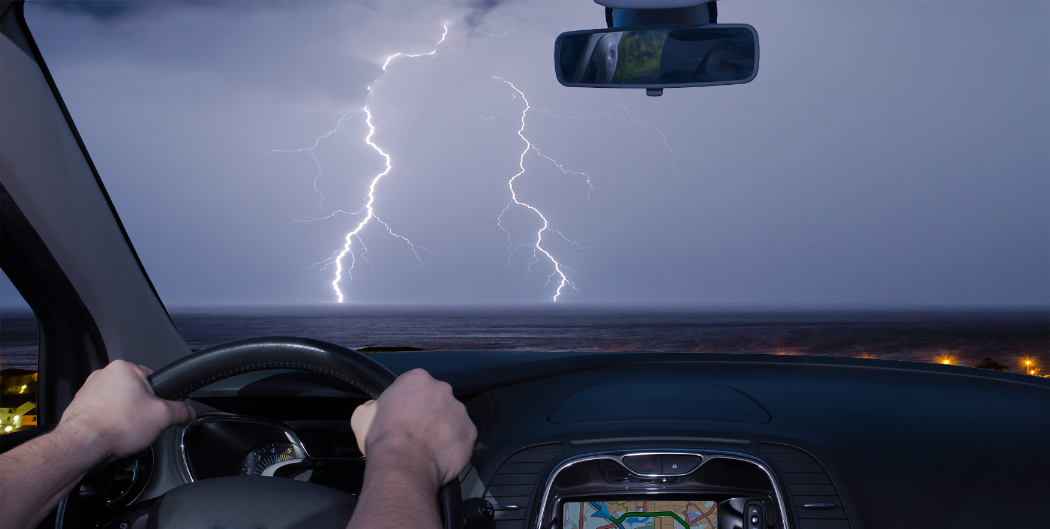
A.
pixel 18 340
pixel 967 337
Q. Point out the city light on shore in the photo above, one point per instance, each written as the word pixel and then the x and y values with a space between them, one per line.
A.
pixel 1030 366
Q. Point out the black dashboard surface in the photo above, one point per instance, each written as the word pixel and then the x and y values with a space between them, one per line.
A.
pixel 903 444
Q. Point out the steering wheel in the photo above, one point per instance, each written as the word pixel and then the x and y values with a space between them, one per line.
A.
pixel 281 503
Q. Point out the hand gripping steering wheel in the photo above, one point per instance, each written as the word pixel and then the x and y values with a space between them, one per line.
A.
pixel 278 503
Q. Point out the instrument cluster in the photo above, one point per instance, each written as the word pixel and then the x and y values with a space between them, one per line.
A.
pixel 323 452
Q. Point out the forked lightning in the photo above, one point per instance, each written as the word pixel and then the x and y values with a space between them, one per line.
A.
pixel 537 247
pixel 369 208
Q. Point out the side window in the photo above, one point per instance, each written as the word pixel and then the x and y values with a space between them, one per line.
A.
pixel 19 356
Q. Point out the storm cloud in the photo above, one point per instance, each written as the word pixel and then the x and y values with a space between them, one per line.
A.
pixel 478 10
pixel 104 11
pixel 865 165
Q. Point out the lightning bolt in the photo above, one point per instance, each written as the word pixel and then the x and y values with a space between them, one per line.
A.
pixel 537 247
pixel 431 52
pixel 368 209
pixel 317 143
pixel 667 144
pixel 587 177
pixel 345 257
pixel 539 250
pixel 346 252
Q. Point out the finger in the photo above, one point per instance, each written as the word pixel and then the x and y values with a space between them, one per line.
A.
pixel 143 373
pixel 178 413
pixel 361 422
pixel 415 376
pixel 127 368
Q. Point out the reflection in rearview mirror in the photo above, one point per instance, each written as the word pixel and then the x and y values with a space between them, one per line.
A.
pixel 652 57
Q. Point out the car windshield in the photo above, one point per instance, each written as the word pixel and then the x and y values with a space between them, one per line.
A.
pixel 411 175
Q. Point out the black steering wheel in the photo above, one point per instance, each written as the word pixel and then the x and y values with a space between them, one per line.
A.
pixel 282 503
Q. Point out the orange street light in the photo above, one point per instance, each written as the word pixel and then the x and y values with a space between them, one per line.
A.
pixel 1028 365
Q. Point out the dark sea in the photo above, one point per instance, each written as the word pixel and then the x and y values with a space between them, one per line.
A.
pixel 964 337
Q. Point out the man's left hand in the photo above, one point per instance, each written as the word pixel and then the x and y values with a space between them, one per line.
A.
pixel 117 410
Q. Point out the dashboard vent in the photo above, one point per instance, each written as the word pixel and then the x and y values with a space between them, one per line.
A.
pixel 514 482
pixel 811 494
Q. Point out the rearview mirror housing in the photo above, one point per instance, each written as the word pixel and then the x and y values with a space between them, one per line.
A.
pixel 657 57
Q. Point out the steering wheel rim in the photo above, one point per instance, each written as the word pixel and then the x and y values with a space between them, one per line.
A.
pixel 182 377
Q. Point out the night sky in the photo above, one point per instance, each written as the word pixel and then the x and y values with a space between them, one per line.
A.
pixel 888 154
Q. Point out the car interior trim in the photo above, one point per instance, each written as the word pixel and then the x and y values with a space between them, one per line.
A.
pixel 707 455
pixel 660 440
pixel 48 172
pixel 28 44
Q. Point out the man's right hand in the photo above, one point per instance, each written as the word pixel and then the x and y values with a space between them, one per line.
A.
pixel 418 427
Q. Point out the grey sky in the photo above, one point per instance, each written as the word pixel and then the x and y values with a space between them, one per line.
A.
pixel 888 153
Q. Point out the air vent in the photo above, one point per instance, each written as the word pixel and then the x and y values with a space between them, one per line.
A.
pixel 514 482
pixel 811 494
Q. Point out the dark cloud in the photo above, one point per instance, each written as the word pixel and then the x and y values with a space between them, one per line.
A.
pixel 478 10
pixel 103 11
pixel 232 45
pixel 889 178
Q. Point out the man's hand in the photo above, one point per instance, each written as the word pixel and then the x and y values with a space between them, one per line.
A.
pixel 417 437
pixel 117 410
pixel 417 421
pixel 114 415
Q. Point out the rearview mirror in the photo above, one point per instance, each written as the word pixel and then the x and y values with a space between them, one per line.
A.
pixel 657 57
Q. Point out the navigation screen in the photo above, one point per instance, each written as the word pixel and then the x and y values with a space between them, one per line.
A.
pixel 640 514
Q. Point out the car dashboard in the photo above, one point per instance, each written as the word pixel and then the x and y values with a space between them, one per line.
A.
pixel 653 440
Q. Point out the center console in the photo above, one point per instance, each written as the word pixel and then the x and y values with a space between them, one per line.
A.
pixel 661 490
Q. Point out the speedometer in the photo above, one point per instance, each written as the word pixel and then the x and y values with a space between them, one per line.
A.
pixel 265 456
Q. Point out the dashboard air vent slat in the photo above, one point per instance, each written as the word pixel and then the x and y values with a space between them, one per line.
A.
pixel 807 483
pixel 535 454
pixel 515 481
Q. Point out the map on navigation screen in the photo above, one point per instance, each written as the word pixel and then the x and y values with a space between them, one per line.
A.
pixel 640 514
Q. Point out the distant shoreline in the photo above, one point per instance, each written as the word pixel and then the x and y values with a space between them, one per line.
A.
pixel 962 337
pixel 351 308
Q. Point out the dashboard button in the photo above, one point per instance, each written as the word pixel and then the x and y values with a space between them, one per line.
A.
pixel 754 515
pixel 677 465
pixel 644 464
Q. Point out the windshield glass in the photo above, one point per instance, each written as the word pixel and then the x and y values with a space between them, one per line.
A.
pixel 882 188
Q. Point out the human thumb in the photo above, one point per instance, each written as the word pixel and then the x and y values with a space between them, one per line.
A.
pixel 361 422
pixel 178 413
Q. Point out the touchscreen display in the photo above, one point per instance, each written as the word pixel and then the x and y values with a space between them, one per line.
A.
pixel 640 514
